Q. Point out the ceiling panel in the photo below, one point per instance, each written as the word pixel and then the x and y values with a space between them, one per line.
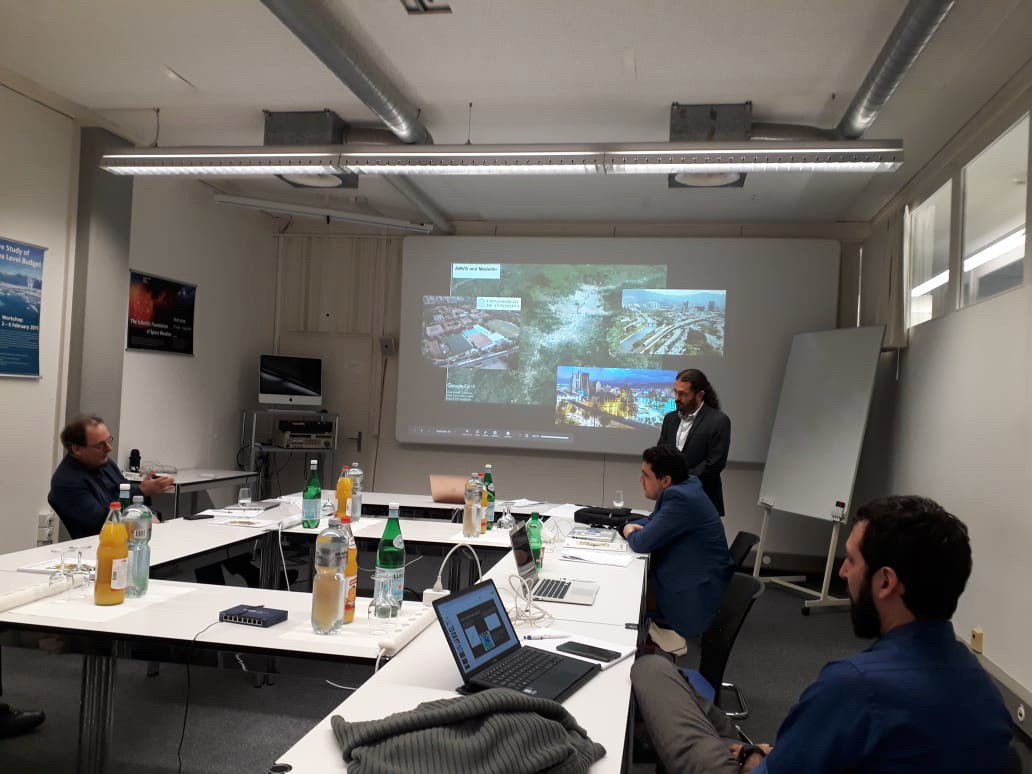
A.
pixel 535 71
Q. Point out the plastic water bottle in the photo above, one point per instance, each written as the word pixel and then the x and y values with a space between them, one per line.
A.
pixel 471 509
pixel 328 586
pixel 489 485
pixel 138 526
pixel 356 475
pixel 311 499
pixel 534 536
pixel 390 558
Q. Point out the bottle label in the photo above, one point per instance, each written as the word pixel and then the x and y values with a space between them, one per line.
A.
pixel 350 592
pixel 310 509
pixel 119 573
pixel 356 506
pixel 490 513
pixel 399 542
pixel 394 580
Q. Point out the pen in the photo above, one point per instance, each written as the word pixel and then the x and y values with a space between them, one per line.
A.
pixel 545 636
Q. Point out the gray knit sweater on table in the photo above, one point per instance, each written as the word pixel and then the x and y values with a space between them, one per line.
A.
pixel 497 730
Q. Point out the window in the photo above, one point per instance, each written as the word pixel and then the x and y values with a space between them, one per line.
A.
pixel 929 238
pixel 995 187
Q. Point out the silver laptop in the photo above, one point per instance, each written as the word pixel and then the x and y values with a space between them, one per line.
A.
pixel 548 588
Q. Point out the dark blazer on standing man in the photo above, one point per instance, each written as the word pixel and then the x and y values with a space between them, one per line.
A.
pixel 705 450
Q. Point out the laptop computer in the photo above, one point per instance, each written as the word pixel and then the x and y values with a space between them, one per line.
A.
pixel 547 588
pixel 488 652
pixel 448 489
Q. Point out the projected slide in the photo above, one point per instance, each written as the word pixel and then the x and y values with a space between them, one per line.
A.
pixel 625 398
pixel 549 314
pixel 462 332
pixel 572 344
pixel 657 321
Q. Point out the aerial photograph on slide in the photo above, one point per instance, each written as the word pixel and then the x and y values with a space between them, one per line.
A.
pixel 657 321
pixel 566 316
pixel 464 332
pixel 612 397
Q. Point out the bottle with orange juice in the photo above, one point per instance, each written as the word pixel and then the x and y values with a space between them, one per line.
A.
pixel 350 571
pixel 112 559
pixel 344 491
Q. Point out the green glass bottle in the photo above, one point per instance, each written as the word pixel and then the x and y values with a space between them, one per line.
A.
pixel 534 535
pixel 489 485
pixel 390 558
pixel 311 502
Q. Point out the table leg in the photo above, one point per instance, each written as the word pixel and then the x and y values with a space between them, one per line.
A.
pixel 96 712
pixel 269 564
pixel 175 501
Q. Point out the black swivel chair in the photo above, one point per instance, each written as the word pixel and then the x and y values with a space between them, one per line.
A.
pixel 740 548
pixel 742 592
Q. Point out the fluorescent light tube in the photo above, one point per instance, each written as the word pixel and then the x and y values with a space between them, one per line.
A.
pixel 983 256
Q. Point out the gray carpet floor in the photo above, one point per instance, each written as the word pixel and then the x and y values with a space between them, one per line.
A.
pixel 234 726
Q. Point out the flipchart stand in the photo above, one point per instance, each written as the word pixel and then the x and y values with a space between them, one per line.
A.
pixel 792 581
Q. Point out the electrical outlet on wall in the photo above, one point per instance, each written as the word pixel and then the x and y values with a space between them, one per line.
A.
pixel 977 639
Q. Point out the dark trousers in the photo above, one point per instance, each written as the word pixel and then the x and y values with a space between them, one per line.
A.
pixel 687 731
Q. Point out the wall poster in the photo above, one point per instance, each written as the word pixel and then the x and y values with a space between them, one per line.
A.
pixel 161 314
pixel 21 293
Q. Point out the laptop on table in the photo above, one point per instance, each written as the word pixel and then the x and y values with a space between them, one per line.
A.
pixel 448 489
pixel 547 588
pixel 488 652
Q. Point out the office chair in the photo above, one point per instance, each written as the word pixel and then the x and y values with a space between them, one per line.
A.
pixel 740 548
pixel 742 592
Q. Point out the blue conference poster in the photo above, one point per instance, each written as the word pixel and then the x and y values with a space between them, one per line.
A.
pixel 21 291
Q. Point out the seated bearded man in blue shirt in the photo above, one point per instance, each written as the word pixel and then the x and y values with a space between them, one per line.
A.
pixel 689 564
pixel 916 700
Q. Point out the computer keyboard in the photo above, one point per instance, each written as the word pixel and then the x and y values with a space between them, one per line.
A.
pixel 519 670
pixel 551 588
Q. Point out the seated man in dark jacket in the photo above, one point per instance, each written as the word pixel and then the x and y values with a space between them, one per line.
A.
pixel 916 700
pixel 86 482
pixel 689 564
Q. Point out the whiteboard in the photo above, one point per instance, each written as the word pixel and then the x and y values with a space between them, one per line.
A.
pixel 819 426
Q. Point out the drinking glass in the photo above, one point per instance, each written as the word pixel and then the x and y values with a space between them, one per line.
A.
pixel 83 574
pixel 62 576
pixel 618 498
pixel 244 497
pixel 507 521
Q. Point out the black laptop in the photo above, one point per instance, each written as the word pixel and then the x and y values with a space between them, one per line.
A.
pixel 488 653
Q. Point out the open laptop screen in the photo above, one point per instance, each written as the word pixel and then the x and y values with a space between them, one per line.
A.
pixel 521 552
pixel 477 627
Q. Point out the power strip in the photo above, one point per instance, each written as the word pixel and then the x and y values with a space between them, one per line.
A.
pixel 429 595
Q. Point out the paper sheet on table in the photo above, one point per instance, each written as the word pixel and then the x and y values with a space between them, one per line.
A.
pixel 524 503
pixel 588 556
pixel 552 645
pixel 614 546
pixel 566 510
pixel 75 607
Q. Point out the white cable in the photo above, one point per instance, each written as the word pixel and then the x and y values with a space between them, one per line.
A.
pixel 480 573
pixel 283 559
pixel 342 687
pixel 379 656
pixel 533 613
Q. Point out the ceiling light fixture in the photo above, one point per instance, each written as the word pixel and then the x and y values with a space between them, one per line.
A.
pixel 867 156
pixel 322 213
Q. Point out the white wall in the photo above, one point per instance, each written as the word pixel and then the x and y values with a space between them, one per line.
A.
pixel 39 159
pixel 185 410
pixel 962 438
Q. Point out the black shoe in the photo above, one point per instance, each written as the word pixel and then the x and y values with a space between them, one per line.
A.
pixel 14 722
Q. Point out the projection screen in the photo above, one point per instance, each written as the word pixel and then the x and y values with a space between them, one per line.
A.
pixel 573 343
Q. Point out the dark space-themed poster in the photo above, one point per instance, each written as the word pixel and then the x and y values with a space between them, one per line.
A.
pixel 161 314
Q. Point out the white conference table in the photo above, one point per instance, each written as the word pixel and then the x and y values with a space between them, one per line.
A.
pixel 425 670
pixel 174 615
pixel 193 480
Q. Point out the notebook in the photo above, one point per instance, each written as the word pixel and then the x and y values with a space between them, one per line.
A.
pixel 545 587
pixel 448 489
pixel 488 652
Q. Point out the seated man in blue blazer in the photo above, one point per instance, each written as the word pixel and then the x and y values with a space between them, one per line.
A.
pixel 689 566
